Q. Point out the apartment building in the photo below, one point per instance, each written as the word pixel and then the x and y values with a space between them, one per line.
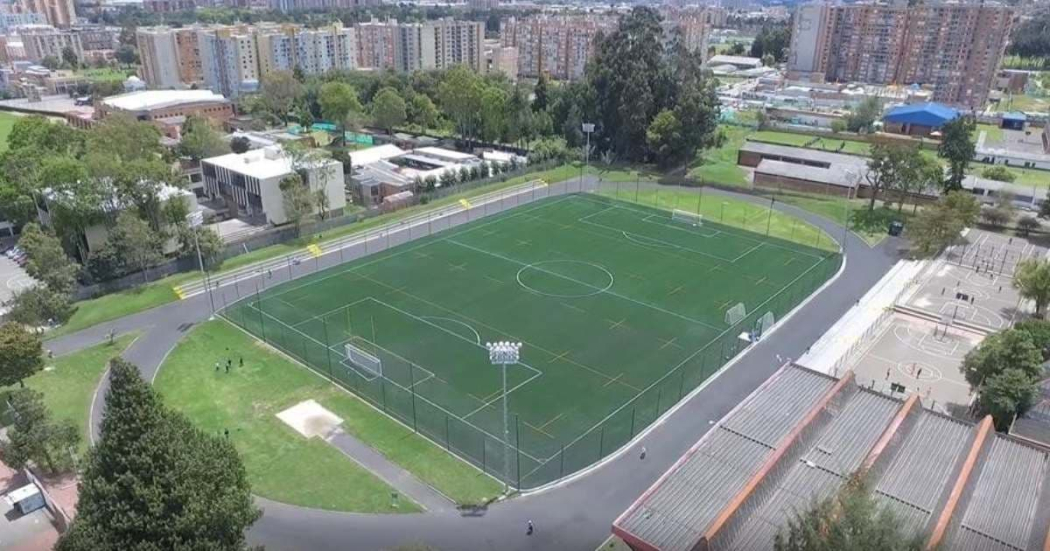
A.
pixel 43 41
pixel 561 45
pixel 439 44
pixel 501 59
pixel 314 51
pixel 953 47
pixel 377 44
pixel 170 58
pixel 229 60
pixel 57 13
pixel 292 5
pixel 8 21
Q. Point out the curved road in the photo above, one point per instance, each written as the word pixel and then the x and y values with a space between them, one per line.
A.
pixel 576 515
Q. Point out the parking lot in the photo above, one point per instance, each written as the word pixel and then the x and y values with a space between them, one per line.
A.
pixel 12 279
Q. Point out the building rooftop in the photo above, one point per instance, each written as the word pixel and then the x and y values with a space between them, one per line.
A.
pixel 264 163
pixel 801 153
pixel 922 114
pixel 735 60
pixel 157 99
pixel 833 176
pixel 371 155
pixel 802 434
pixel 1015 116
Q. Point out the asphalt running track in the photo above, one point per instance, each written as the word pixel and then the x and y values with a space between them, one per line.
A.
pixel 574 516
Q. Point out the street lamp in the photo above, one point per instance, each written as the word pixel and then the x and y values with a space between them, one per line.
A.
pixel 588 128
pixel 503 354
pixel 196 219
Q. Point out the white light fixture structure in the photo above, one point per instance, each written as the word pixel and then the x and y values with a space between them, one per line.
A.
pixel 588 128
pixel 505 353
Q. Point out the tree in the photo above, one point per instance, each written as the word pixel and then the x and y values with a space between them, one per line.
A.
pixel 838 126
pixel 21 354
pixel 69 57
pixel 1039 331
pixel 280 90
pixel 131 246
pixel 540 94
pixel 459 94
pixel 773 41
pixel 388 109
pixel 1032 280
pixel 240 144
pixel 995 217
pixel 885 165
pixel 297 199
pixel 1027 224
pixel 47 261
pixel 124 138
pixel 127 55
pixel 422 112
pixel 36 437
pixel 1007 395
pixel 51 62
pixel 211 245
pixel 338 101
pixel 39 305
pixel 768 60
pixel 737 48
pixel 917 174
pixel 664 138
pixel 957 148
pixel 939 224
pixel 493 110
pixel 1010 349
pixel 449 178
pixel 850 519
pixel 862 118
pixel 1000 173
pixel 154 481
pixel 200 140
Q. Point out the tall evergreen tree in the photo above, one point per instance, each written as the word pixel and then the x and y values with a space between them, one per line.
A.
pixel 958 148
pixel 153 481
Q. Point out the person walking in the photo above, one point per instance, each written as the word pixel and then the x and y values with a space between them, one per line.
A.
pixel 530 529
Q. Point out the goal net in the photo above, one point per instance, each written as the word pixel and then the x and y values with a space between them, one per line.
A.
pixel 687 217
pixel 364 360
pixel 765 323
pixel 736 314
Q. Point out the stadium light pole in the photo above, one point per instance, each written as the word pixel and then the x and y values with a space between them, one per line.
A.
pixel 588 128
pixel 504 353
pixel 196 219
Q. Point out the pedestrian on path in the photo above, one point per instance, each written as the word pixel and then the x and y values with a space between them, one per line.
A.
pixel 241 362
pixel 216 367
pixel 642 455
pixel 530 529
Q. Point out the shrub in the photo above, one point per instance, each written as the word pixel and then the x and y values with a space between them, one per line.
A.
pixel 1000 173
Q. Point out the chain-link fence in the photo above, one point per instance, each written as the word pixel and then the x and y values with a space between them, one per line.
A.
pixel 411 401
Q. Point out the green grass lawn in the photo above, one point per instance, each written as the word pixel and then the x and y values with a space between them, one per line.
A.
pixel 1022 102
pixel 617 324
pixel 719 164
pixel 68 382
pixel 281 464
pixel 835 145
pixel 7 121
pixel 117 305
pixel 992 132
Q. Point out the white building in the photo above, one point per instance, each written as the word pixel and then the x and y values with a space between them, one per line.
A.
pixel 229 64
pixel 314 51
pixel 250 182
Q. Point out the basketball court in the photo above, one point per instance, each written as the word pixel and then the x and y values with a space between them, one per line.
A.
pixel 912 355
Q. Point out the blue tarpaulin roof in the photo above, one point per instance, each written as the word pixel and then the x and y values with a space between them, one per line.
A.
pixel 1015 116
pixel 922 114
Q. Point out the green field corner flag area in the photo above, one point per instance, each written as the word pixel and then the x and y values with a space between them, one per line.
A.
pixel 622 310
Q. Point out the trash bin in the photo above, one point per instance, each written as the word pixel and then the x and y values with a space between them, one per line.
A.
pixel 896 228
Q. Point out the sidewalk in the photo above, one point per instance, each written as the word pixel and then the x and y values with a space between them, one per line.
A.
pixel 398 478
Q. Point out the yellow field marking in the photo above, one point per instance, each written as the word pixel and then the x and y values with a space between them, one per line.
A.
pixel 759 282
pixel 789 261
pixel 613 380
pixel 724 304
pixel 713 268
pixel 616 324
pixel 567 226
pixel 571 307
pixel 558 357
pixel 457 266
pixel 314 250
pixel 179 293
pixel 669 343
pixel 676 290
pixel 636 276
pixel 482 400
pixel 466 204
pixel 539 430
pixel 524 242
pixel 493 395
pixel 542 182
pixel 421 255
pixel 548 423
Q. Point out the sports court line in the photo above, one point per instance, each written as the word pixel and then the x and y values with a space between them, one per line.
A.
pixel 382 257
pixel 395 383
pixel 592 287
pixel 726 229
pixel 658 242
pixel 332 311
pixel 501 394
pixel 338 348
pixel 678 366
pixel 747 252
pixel 497 330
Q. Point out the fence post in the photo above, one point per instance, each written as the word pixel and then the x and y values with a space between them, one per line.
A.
pixel 681 385
pixel 382 390
pixel 634 413
pixel 659 398
pixel 562 471
pixel 447 435
pixel 517 446
pixel 412 383
pixel 327 346
pixel 601 441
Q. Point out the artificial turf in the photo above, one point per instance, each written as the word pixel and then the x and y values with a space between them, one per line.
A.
pixel 621 311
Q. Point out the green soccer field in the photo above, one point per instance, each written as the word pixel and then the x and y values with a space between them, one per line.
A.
pixel 621 310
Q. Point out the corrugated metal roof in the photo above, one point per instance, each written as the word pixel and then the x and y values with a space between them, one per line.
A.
pixel 812 155
pixel 1002 506
pixel 834 176
pixel 680 508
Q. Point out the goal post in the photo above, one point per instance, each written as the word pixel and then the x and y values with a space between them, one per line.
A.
pixel 686 217
pixel 764 324
pixel 362 359
pixel 736 314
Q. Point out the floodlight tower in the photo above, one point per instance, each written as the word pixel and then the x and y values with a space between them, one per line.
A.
pixel 503 354
pixel 588 128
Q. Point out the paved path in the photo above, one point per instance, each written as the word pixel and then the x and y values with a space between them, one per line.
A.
pixel 398 478
pixel 574 516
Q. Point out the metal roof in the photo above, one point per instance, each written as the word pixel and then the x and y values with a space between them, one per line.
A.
pixel 834 176
pixel 924 114
pixel 771 151
pixel 680 507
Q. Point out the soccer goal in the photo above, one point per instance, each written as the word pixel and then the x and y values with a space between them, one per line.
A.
pixel 367 362
pixel 765 323
pixel 736 314
pixel 687 217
